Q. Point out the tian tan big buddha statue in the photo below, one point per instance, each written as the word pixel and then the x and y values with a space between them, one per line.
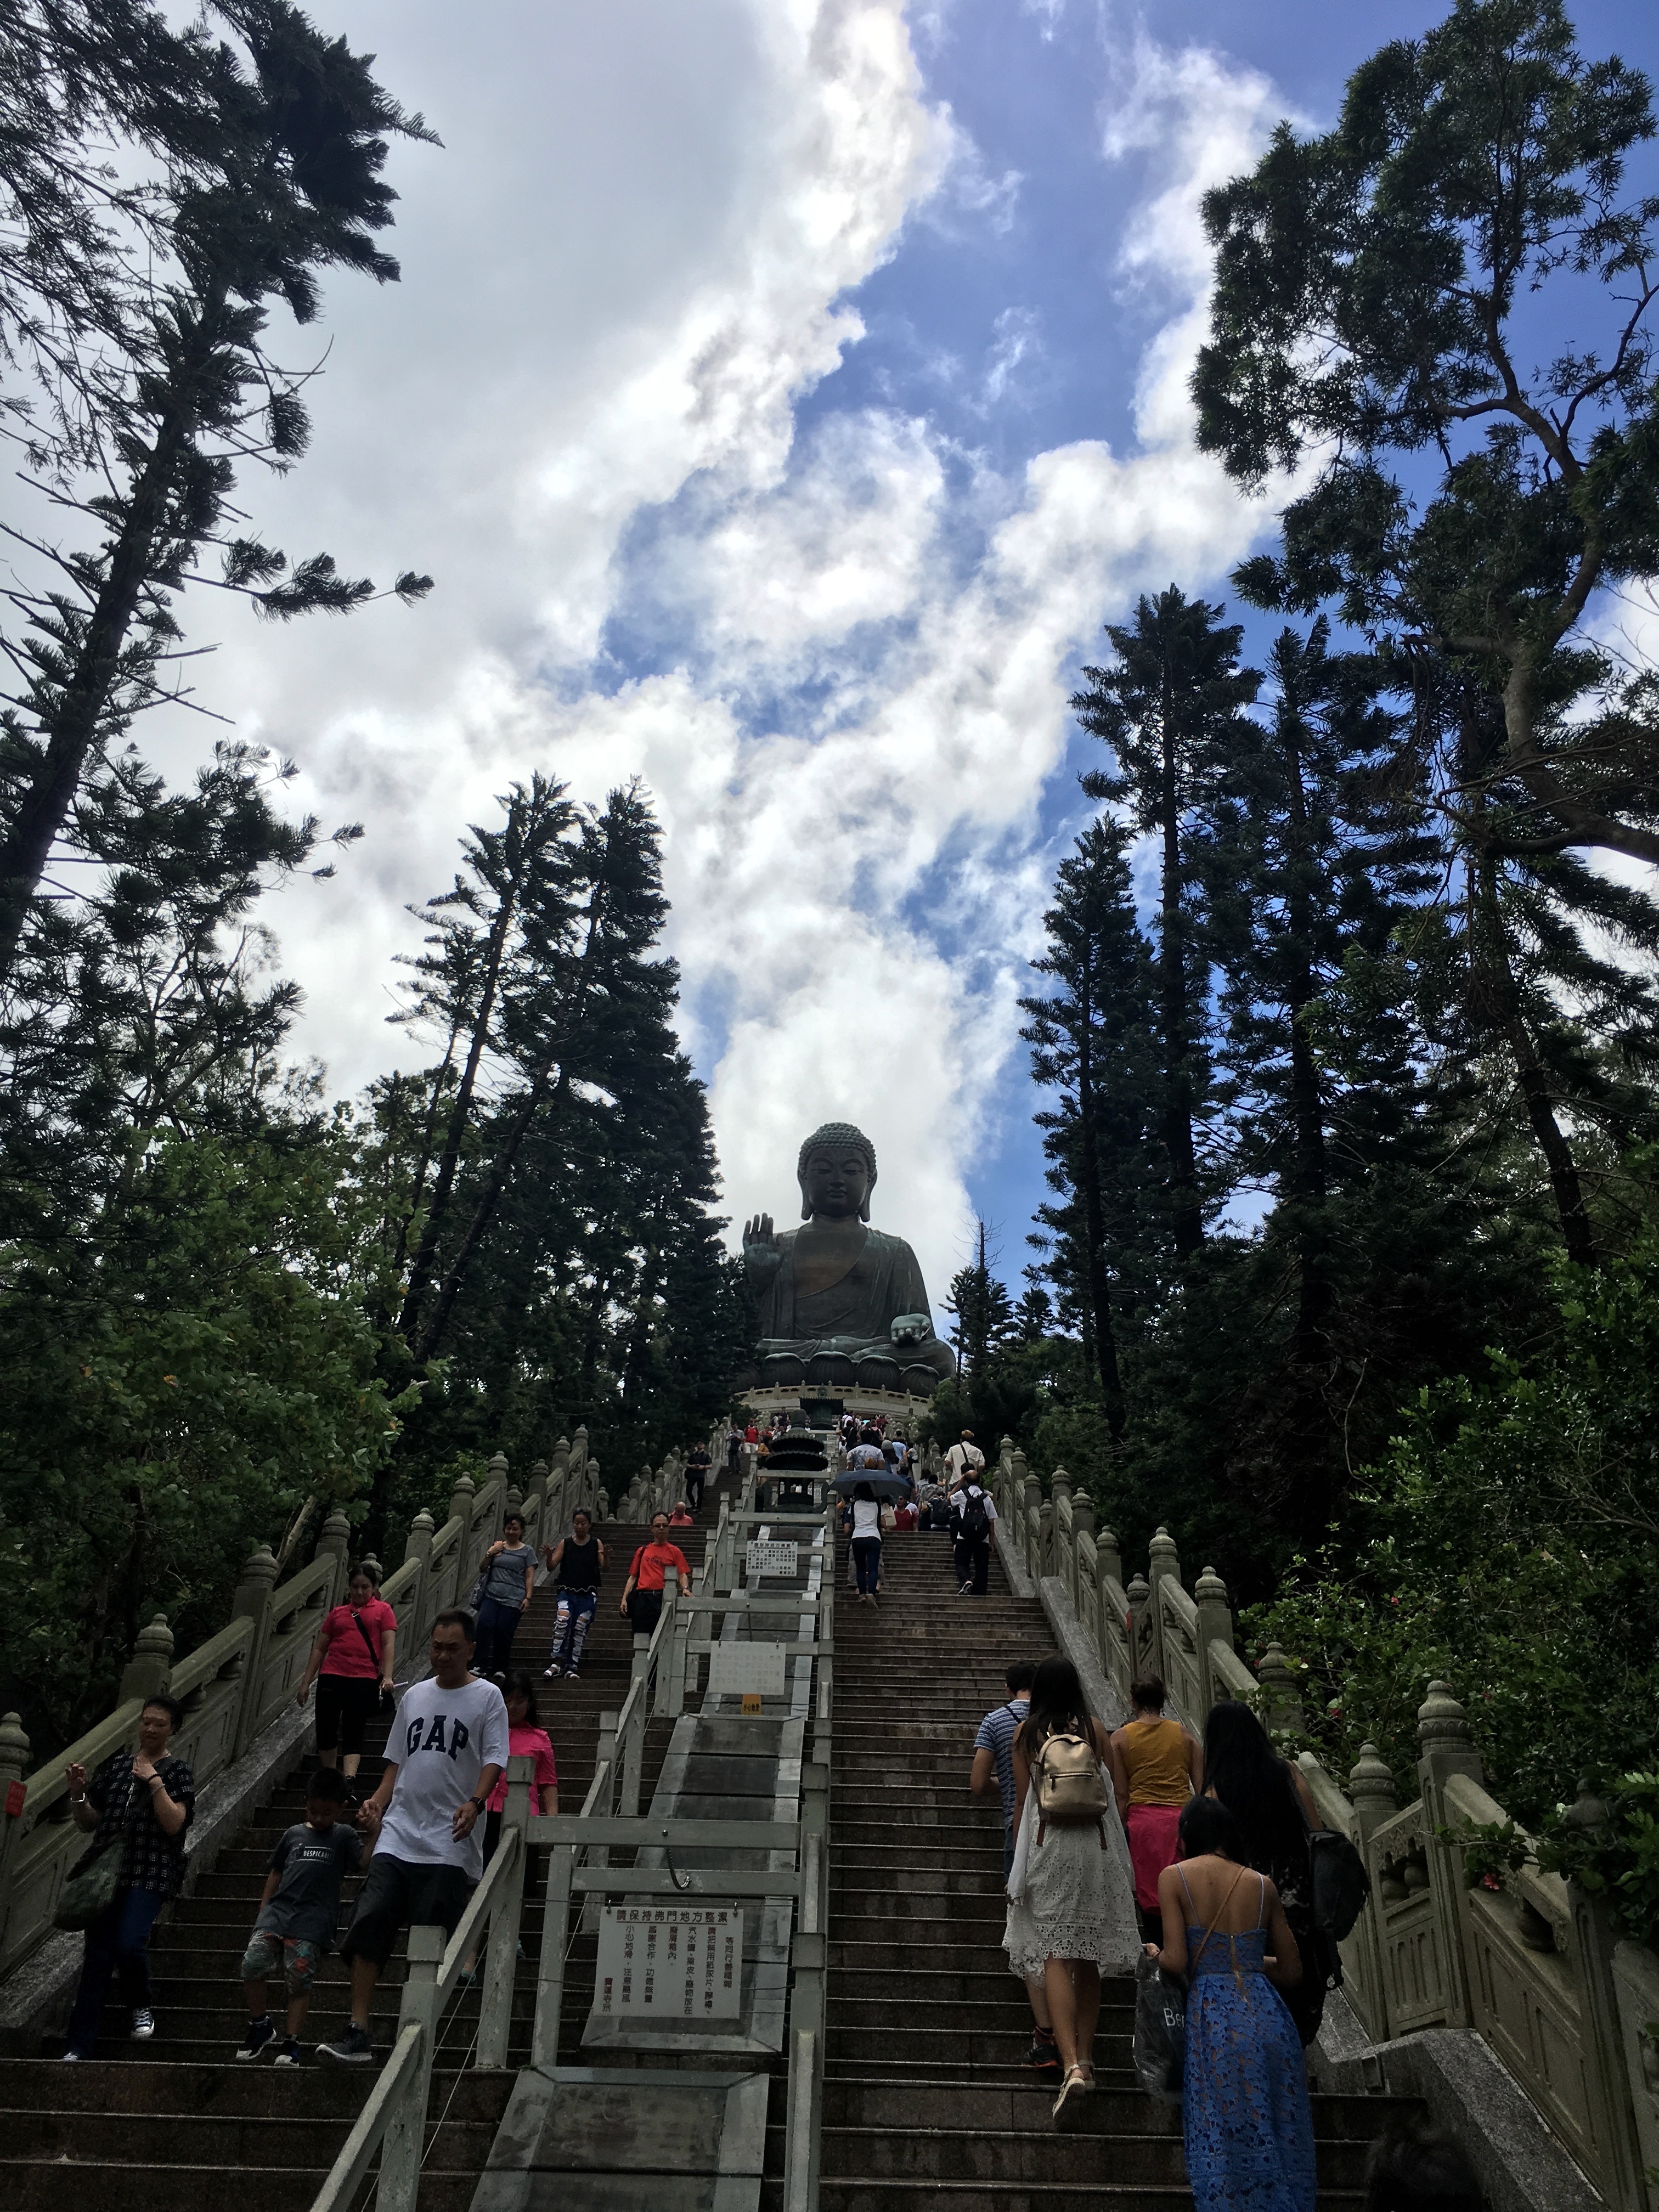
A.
pixel 840 1303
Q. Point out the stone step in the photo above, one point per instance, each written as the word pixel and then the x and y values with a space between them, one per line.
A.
pixel 1067 2154
pixel 257 2090
pixel 892 2194
pixel 114 2185
pixel 246 2143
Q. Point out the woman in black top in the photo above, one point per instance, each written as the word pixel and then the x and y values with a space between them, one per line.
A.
pixel 577 1561
pixel 148 1799
pixel 1275 1809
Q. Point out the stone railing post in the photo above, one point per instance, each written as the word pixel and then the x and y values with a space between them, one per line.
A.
pixel 418 1545
pixel 1143 1636
pixel 1281 1708
pixel 1107 1557
pixel 1448 1748
pixel 1083 1586
pixel 1370 1788
pixel 149 1670
pixel 336 1542
pixel 1613 2113
pixel 1030 1519
pixel 13 1766
pixel 1062 1561
pixel 496 1474
pixel 513 1501
pixel 252 1603
pixel 579 1467
pixel 460 1502
pixel 1215 1625
pixel 1162 1558
pixel 1375 1800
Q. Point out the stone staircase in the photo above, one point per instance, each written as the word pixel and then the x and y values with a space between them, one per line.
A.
pixel 180 2122
pixel 927 2097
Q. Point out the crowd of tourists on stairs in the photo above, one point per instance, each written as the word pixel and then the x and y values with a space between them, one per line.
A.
pixel 417 1831
pixel 1148 1844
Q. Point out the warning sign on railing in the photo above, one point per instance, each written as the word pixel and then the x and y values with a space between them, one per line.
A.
pixel 757 1667
pixel 670 1962
pixel 768 1556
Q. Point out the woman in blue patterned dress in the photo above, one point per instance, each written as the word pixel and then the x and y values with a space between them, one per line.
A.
pixel 1245 2116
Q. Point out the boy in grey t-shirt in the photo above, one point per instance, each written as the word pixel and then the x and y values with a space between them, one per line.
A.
pixel 298 1909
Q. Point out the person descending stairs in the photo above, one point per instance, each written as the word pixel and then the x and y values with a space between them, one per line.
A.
pixel 929 2098
pixel 146 2127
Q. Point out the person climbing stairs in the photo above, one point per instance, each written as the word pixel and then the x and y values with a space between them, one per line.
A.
pixel 176 2121
pixel 928 2099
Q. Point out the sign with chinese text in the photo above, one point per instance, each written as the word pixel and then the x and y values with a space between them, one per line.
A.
pixel 673 1963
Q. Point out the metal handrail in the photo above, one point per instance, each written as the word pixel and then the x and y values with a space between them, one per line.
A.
pixel 393 2118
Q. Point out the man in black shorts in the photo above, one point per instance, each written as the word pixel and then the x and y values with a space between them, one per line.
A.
pixel 447 1751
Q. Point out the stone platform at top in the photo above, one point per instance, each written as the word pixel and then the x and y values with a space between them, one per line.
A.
pixel 840 1304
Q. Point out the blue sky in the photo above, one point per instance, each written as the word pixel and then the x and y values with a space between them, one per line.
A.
pixel 783 394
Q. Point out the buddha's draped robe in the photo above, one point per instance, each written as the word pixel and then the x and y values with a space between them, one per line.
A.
pixel 856 1314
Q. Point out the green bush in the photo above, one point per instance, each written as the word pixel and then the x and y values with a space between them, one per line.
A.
pixel 1509 1545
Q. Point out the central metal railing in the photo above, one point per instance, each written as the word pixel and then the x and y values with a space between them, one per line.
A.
pixel 391 2126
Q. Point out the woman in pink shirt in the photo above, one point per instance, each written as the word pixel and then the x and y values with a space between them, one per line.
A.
pixel 350 1663
pixel 526 1739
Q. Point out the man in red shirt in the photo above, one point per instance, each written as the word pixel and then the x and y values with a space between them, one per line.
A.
pixel 641 1597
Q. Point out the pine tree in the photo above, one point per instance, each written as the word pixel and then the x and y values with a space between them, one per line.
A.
pixel 281 184
pixel 1095 1040
pixel 1318 847
pixel 1166 707
pixel 984 1323
pixel 1376 290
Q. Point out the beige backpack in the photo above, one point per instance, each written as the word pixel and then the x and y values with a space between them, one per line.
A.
pixel 1070 1791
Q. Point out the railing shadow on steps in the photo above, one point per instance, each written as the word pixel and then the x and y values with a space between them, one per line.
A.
pixel 1535 1968
pixel 236 1688
pixel 391 2125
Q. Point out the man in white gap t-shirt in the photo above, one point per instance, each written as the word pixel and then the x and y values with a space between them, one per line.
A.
pixel 447 1751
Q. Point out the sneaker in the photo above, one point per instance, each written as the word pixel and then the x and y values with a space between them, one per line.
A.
pixel 572 1674
pixel 143 2023
pixel 553 1672
pixel 72 2058
pixel 288 2052
pixel 966 1590
pixel 259 2032
pixel 350 2048
pixel 1044 2054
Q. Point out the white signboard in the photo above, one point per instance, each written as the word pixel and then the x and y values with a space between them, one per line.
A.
pixel 669 1962
pixel 734 1668
pixel 768 1558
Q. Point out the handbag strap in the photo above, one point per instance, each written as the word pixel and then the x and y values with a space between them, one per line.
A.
pixel 357 1623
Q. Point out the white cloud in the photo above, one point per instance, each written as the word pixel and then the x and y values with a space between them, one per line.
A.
pixel 631 261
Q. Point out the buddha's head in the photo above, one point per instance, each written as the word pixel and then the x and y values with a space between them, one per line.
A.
pixel 837 1172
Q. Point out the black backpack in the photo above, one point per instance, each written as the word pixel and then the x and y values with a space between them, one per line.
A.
pixel 1341 1883
pixel 976 1521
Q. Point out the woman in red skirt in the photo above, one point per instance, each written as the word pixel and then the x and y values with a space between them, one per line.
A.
pixel 1165 1765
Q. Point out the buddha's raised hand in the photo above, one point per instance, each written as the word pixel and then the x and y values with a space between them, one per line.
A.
pixel 762 1253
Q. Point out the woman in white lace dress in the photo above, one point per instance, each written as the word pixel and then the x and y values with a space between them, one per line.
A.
pixel 1070 1895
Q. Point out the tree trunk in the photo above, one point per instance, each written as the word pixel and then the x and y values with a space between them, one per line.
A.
pixel 484 1212
pixel 71 730
pixel 1188 1219
pixel 1307 1116
pixel 1532 1076
pixel 1096 1289
pixel 421 1273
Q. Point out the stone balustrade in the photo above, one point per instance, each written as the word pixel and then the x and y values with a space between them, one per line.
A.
pixel 242 1680
pixel 1533 1967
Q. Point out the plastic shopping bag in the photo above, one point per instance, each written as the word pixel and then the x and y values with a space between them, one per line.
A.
pixel 1160 2031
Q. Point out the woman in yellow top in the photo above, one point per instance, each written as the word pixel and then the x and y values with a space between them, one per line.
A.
pixel 1164 1763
